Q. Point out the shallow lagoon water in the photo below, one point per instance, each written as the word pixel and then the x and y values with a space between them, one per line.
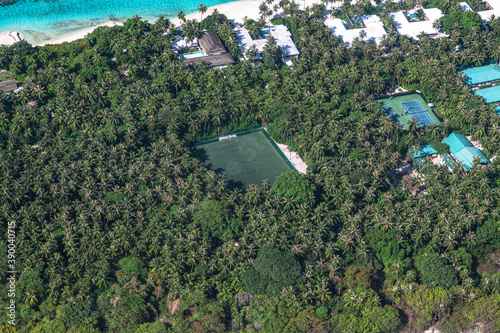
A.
pixel 47 19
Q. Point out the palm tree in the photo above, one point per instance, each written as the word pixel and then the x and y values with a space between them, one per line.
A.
pixel 202 9
pixel 181 16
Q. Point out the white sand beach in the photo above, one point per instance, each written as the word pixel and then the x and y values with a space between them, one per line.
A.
pixel 235 11
pixel 78 35
pixel 10 37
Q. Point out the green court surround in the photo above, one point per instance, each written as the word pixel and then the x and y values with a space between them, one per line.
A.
pixel 249 158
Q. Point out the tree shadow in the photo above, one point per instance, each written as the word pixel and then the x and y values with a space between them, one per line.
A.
pixel 234 184
pixel 202 155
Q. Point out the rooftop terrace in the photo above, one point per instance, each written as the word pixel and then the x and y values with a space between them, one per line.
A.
pixel 465 6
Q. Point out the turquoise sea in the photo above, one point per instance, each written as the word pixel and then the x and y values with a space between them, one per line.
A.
pixel 47 19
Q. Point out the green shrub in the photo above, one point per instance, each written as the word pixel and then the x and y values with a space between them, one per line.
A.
pixel 435 271
pixel 78 314
pixel 292 184
pixel 215 219
pixel 133 266
pixel 272 271
pixel 461 21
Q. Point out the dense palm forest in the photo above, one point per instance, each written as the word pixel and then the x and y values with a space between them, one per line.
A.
pixel 120 228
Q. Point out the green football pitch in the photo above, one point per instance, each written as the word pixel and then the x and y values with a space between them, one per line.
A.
pixel 249 158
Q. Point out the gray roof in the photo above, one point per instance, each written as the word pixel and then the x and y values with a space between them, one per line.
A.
pixel 8 85
pixel 210 43
pixel 212 60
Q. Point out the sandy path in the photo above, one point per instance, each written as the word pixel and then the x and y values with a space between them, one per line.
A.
pixel 294 158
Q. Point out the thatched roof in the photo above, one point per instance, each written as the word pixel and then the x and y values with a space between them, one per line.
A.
pixel 212 60
pixel 8 85
pixel 210 43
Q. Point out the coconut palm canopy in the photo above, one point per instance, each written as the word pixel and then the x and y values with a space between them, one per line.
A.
pixel 119 227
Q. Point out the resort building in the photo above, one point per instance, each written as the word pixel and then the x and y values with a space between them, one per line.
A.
pixel 373 29
pixel 464 151
pixel 493 9
pixel 407 22
pixel 423 150
pixel 210 43
pixel 208 48
pixel 280 33
pixel 490 95
pixel 483 74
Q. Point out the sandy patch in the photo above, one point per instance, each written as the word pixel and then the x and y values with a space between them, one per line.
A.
pixel 236 11
pixel 403 169
pixel 437 160
pixel 399 89
pixel 294 158
pixel 474 142
pixel 10 37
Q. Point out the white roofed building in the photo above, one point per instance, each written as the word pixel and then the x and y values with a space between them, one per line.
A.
pixel 280 33
pixel 181 43
pixel 465 7
pixel 494 10
pixel 413 29
pixel 373 30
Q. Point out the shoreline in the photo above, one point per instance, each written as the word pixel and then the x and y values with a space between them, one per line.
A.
pixel 235 12
pixel 78 34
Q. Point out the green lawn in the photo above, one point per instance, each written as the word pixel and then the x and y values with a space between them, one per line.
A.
pixel 6 76
pixel 247 159
pixel 395 105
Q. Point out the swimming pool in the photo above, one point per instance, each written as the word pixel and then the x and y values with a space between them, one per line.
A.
pixel 264 33
pixel 192 55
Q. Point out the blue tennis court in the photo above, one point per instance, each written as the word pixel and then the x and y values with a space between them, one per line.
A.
pixel 412 107
pixel 406 107
pixel 423 118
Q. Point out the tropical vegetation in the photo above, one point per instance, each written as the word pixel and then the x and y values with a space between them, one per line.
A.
pixel 120 228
